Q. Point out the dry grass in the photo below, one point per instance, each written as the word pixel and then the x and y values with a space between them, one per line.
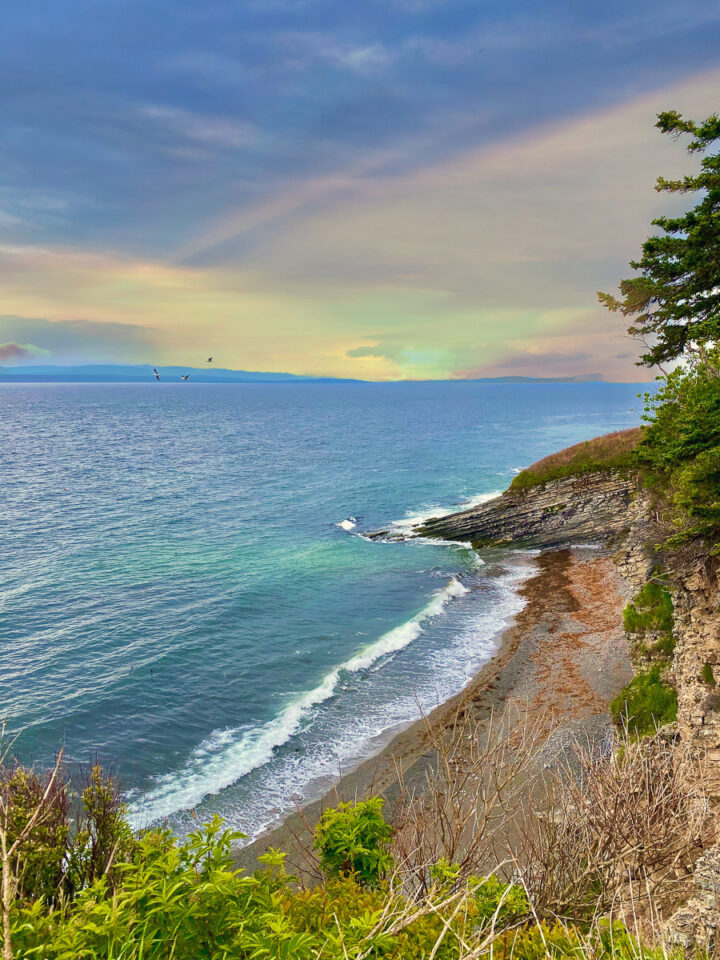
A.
pixel 473 794
pixel 587 832
pixel 612 450
pixel 617 830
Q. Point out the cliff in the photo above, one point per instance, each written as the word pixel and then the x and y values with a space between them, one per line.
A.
pixel 606 506
pixel 587 508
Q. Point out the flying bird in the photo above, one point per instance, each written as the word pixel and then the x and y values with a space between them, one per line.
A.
pixel 157 375
pixel 185 376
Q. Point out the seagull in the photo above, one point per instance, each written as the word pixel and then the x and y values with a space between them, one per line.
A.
pixel 185 376
pixel 157 375
pixel 209 360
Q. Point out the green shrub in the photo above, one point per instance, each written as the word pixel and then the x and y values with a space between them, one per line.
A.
pixel 708 676
pixel 39 864
pixel 680 450
pixel 665 646
pixel 499 903
pixel 353 839
pixel 652 609
pixel 645 704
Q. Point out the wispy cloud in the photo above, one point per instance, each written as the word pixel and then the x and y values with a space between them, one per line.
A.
pixel 276 181
pixel 215 131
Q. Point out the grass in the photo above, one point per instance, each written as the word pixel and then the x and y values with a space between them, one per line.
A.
pixel 612 451
pixel 645 704
pixel 652 609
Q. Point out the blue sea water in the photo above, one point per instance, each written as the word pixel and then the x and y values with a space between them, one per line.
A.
pixel 183 592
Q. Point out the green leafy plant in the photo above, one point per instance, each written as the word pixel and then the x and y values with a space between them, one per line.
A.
pixel 353 839
pixel 499 903
pixel 708 675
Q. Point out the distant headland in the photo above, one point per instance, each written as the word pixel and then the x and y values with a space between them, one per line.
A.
pixel 139 373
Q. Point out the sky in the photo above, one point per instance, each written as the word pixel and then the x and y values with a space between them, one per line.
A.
pixel 405 189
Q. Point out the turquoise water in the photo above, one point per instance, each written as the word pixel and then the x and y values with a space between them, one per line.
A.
pixel 184 594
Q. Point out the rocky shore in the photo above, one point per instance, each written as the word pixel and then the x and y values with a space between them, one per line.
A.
pixel 562 660
pixel 588 508
pixel 567 654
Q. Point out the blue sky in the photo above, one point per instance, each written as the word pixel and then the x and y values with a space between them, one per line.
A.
pixel 285 181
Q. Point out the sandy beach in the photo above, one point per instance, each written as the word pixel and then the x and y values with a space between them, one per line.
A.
pixel 561 662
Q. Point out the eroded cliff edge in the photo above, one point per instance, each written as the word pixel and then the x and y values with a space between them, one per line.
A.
pixel 612 509
pixel 587 508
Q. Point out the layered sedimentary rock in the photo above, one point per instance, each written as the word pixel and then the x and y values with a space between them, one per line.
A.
pixel 582 509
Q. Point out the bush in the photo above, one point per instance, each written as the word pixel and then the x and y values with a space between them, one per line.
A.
pixel 645 704
pixel 354 840
pixel 38 866
pixel 680 451
pixel 708 675
pixel 499 903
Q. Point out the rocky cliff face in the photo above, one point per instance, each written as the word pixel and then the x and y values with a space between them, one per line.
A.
pixel 584 509
pixel 696 666
pixel 602 507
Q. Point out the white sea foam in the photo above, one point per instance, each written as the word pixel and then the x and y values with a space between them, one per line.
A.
pixel 227 755
pixel 401 636
pixel 346 524
pixel 408 524
pixel 363 733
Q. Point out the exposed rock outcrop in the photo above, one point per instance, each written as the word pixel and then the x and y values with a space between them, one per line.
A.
pixel 696 595
pixel 695 925
pixel 583 509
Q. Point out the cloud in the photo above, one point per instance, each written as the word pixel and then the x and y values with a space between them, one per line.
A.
pixel 74 341
pixel 208 130
pixel 492 257
pixel 19 352
pixel 365 352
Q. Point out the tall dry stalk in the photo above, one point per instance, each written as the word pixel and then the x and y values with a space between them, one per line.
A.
pixel 629 824
pixel 584 829
pixel 472 797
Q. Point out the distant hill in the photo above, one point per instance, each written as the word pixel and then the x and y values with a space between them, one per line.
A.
pixel 139 373
pixel 580 378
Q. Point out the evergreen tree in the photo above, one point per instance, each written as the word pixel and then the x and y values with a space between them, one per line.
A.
pixel 674 303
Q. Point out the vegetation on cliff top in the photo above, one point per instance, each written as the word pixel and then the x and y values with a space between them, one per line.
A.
pixel 680 453
pixel 613 451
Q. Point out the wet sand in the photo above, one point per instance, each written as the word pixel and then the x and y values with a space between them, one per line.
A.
pixel 561 662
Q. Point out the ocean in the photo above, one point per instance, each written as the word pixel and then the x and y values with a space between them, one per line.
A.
pixel 186 592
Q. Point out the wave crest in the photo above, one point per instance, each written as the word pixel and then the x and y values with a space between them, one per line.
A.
pixel 227 755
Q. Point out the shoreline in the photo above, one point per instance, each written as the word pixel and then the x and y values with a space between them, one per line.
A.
pixel 564 656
